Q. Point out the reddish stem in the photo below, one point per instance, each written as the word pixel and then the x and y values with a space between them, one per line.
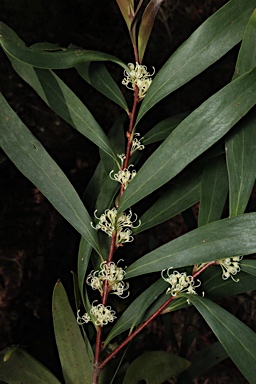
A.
pixel 96 369
pixel 199 271
pixel 135 333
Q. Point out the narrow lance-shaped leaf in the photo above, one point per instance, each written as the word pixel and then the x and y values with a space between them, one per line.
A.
pixel 62 59
pixel 238 340
pixel 199 131
pixel 225 238
pixel 215 37
pixel 214 189
pixel 75 361
pixel 249 266
pixel 146 25
pixel 241 145
pixel 30 157
pixel 98 76
pixel 176 199
pixel 64 102
pixel 127 9
pixel 17 366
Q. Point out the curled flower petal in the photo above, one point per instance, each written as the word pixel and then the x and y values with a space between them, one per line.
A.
pixel 102 314
pixel 230 267
pixel 139 77
pixel 179 282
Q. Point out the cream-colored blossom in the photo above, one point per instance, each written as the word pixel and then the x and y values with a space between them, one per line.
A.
pixel 102 314
pixel 136 143
pixel 124 176
pixel 230 267
pixel 139 77
pixel 180 282
pixel 113 274
pixel 84 319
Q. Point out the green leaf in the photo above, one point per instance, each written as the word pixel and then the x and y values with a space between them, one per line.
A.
pixel 214 189
pixel 60 59
pixel 238 340
pixel 17 366
pixel 155 367
pixel 215 37
pixel 206 359
pixel 176 199
pixel 34 162
pixel 98 76
pixel 249 266
pixel 146 25
pixel 127 9
pixel 225 238
pixel 241 144
pixel 162 130
pixel 64 102
pixel 84 254
pixel 198 132
pixel 215 287
pixel 241 157
pixel 74 358
pixel 134 312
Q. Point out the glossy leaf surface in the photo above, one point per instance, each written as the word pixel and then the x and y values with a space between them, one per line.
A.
pixel 215 241
pixel 155 367
pixel 199 131
pixel 18 367
pixel 30 157
pixel 75 361
pixel 238 340
pixel 215 37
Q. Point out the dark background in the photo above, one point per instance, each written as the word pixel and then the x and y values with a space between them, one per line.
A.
pixel 37 246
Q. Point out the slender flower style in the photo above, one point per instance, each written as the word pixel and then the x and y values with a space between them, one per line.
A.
pixel 139 77
pixel 109 224
pixel 230 267
pixel 122 157
pixel 113 274
pixel 124 176
pixel 136 144
pixel 102 315
pixel 180 282
pixel 84 319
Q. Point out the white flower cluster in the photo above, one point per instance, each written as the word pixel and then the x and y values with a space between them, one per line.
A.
pixel 113 274
pixel 139 77
pixel 179 282
pixel 100 315
pixel 230 267
pixel 109 223
pixel 124 176
pixel 136 143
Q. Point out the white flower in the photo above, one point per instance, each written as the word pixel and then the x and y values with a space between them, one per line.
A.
pixel 102 314
pixel 84 319
pixel 230 267
pixel 138 77
pixel 122 157
pixel 113 274
pixel 124 176
pixel 109 224
pixel 179 282
pixel 136 143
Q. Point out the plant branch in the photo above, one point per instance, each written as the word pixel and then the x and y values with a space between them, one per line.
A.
pixel 135 333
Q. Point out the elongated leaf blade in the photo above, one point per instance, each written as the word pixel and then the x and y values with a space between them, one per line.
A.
pixel 238 340
pixel 64 102
pixel 249 266
pixel 17 366
pixel 155 367
pixel 74 358
pixel 218 240
pixel 146 25
pixel 30 157
pixel 84 254
pixel 241 145
pixel 176 199
pixel 214 189
pixel 162 130
pixel 62 59
pixel 98 76
pixel 200 130
pixel 215 37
